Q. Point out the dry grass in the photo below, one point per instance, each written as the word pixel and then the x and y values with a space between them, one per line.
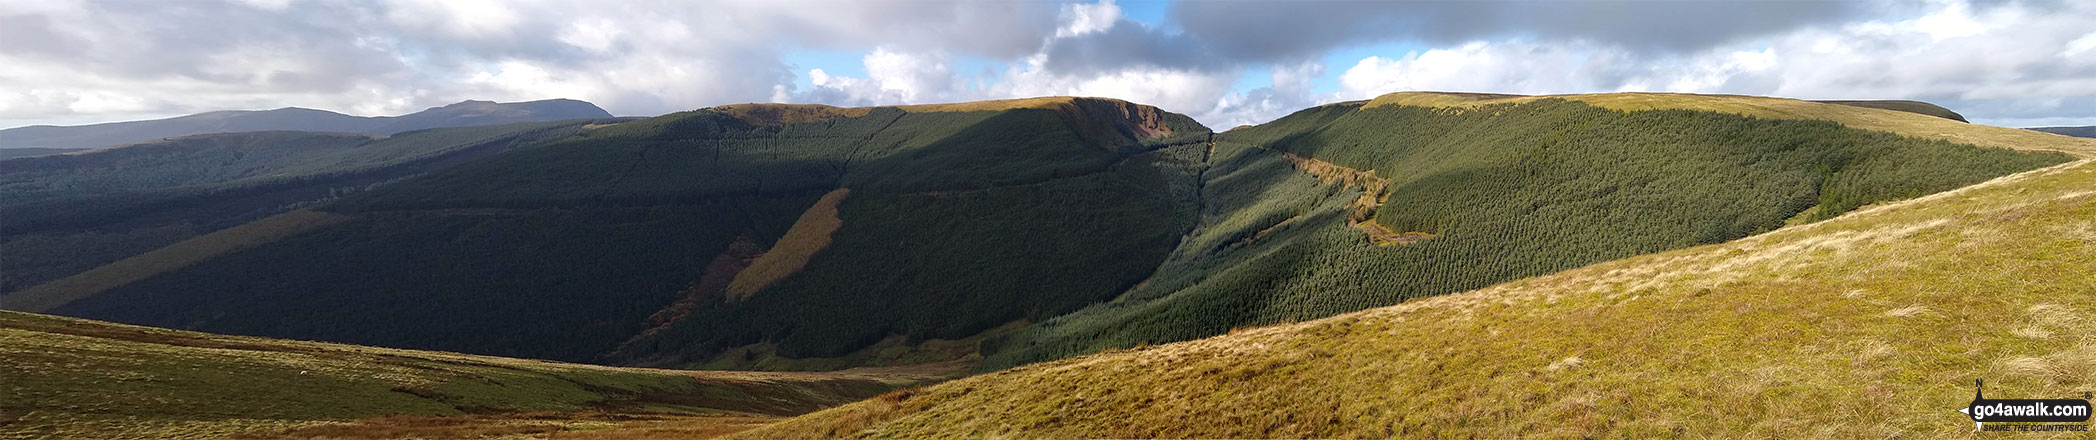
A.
pixel 73 378
pixel 1043 102
pixel 175 256
pixel 790 113
pixel 535 425
pixel 1904 123
pixel 1870 325
pixel 809 234
pixel 1374 190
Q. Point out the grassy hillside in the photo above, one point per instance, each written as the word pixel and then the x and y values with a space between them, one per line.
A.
pixel 1486 194
pixel 620 240
pixel 70 378
pixel 1899 122
pixel 1870 325
pixel 69 213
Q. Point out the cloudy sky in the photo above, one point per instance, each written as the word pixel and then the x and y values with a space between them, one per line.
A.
pixel 2015 63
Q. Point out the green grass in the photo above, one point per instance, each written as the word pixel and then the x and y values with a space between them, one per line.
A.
pixel 1870 325
pixel 70 378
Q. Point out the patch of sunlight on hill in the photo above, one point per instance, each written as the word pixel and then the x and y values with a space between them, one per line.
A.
pixel 809 234
pixel 1870 325
pixel 175 256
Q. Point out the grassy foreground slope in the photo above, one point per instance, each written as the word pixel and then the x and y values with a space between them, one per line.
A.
pixel 71 378
pixel 1870 325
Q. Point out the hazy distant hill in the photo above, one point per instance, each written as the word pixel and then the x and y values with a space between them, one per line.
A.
pixel 1905 106
pixel 464 113
pixel 2087 132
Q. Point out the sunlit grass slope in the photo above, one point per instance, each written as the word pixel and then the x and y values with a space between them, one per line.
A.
pixel 1870 325
pixel 1907 123
pixel 70 378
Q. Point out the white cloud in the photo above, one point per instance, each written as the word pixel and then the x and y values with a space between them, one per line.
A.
pixel 1509 67
pixel 1080 19
pixel 85 60
pixel 2007 65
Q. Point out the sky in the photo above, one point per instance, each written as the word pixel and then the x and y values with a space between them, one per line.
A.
pixel 1226 63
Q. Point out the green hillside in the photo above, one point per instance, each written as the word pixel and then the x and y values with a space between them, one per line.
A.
pixel 71 378
pixel 1873 324
pixel 65 214
pixel 1454 199
pixel 617 243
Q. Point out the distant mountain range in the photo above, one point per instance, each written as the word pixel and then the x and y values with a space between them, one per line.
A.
pixel 464 113
pixel 2087 132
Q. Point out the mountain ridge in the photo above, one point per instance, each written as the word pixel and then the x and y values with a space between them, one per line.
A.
pixel 463 113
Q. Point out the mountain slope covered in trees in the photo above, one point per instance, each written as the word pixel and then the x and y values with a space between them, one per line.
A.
pixel 616 244
pixel 1454 199
pixel 461 114
pixel 64 214
pixel 1872 324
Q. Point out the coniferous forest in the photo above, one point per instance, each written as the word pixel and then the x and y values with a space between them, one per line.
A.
pixel 1506 191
